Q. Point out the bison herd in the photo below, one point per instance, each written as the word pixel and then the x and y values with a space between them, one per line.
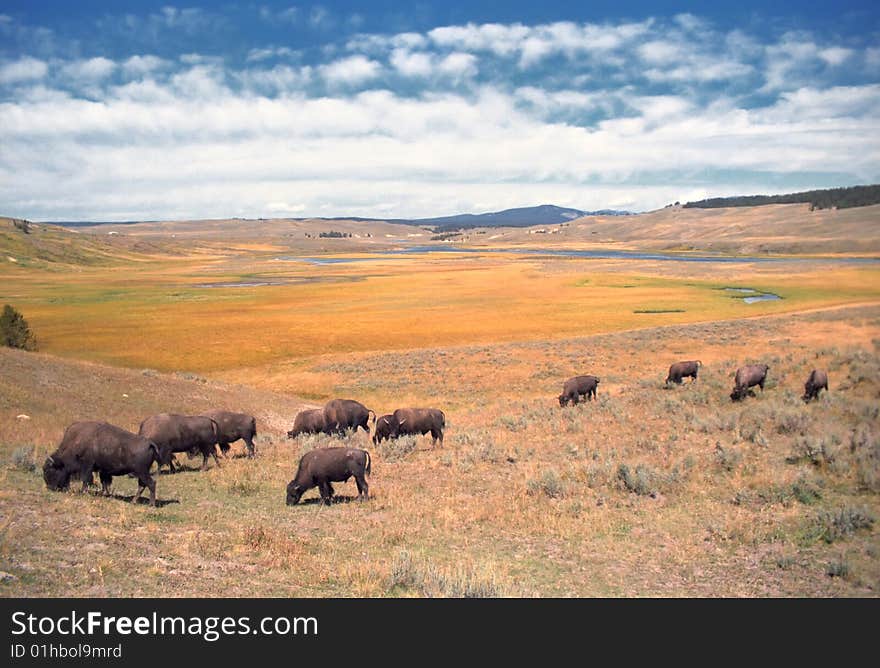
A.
pixel 99 447
pixel 746 377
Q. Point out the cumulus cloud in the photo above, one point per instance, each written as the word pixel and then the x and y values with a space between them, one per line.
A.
pixel 350 71
pixel 92 69
pixel 23 69
pixel 412 64
pixel 140 65
pixel 468 117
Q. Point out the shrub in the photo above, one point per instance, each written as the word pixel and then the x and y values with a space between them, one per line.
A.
pixel 727 458
pixel 865 449
pixel 832 525
pixel 23 458
pixel 14 330
pixel 429 580
pixel 550 483
pixel 814 450
pixel 395 449
pixel 642 481
pixel 838 568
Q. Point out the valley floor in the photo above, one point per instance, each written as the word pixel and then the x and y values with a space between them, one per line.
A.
pixel 647 491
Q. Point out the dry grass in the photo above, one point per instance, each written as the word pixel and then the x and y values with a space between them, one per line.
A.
pixel 647 491
pixel 530 496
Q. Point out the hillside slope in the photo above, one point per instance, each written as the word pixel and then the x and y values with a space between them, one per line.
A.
pixel 53 392
pixel 777 228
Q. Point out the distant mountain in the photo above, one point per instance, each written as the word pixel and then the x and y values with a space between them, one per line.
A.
pixel 545 214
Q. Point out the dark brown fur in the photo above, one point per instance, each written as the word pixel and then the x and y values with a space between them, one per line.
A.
pixel 182 433
pixel 576 387
pixel 748 376
pixel 681 370
pixel 318 468
pixel 418 421
pixel 232 427
pixel 342 414
pixel 309 421
pixel 817 382
pixel 89 447
pixel 386 428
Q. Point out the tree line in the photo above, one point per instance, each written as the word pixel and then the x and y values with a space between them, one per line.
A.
pixel 839 198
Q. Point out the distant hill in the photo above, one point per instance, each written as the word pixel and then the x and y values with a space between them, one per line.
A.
pixel 839 198
pixel 545 214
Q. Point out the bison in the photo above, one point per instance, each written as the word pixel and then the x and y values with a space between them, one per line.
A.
pixel 817 381
pixel 182 433
pixel 232 427
pixel 318 468
pixel 573 388
pixel 342 414
pixel 418 421
pixel 309 421
pixel 681 370
pixel 386 428
pixel 747 376
pixel 89 447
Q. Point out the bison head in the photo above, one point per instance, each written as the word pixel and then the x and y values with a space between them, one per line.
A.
pixel 563 400
pixel 56 475
pixel 294 492
pixel 291 434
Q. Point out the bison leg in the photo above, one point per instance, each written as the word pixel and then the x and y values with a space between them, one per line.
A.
pixel 363 487
pixel 326 492
pixel 106 481
pixel 146 481
pixel 86 478
pixel 250 446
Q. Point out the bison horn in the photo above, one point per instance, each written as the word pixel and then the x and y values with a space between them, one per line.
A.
pixel 402 421
pixel 50 460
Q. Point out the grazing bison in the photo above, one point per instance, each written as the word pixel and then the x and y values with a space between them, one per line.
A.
pixel 573 388
pixel 417 421
pixel 747 376
pixel 681 370
pixel 342 414
pixel 386 428
pixel 89 447
pixel 318 468
pixel 817 381
pixel 309 421
pixel 182 433
pixel 233 426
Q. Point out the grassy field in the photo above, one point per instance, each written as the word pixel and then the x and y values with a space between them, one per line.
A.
pixel 648 491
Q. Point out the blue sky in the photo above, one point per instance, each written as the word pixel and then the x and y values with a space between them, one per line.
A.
pixel 146 110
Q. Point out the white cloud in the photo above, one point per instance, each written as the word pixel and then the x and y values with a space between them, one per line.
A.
pixel 256 55
pixel 141 65
pixel 660 52
pixel 835 56
pixel 412 64
pixel 23 69
pixel 200 135
pixel 534 43
pixel 279 79
pixel 458 65
pixel 91 70
pixel 350 71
